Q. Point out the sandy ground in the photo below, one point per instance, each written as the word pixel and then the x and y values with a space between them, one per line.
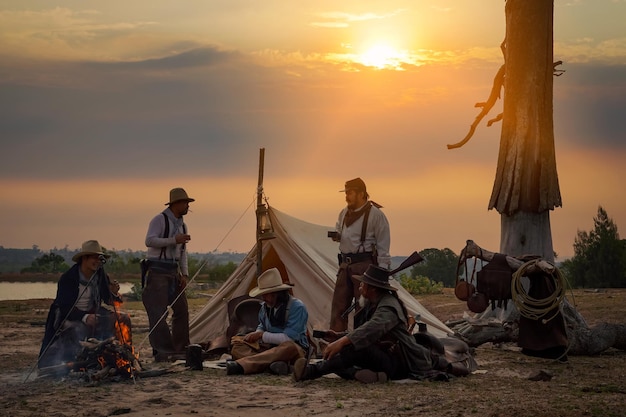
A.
pixel 585 386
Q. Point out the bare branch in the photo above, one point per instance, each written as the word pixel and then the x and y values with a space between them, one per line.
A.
pixel 498 82
pixel 556 72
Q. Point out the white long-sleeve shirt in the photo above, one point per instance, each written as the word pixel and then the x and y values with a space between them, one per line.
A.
pixel 155 241
pixel 377 235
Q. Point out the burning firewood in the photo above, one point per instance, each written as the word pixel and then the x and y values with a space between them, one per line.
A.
pixel 99 360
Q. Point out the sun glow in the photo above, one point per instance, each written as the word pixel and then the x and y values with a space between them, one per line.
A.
pixel 383 56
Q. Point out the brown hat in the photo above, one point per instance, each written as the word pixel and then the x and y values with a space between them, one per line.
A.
pixel 377 277
pixel 355 184
pixel 269 281
pixel 90 247
pixel 178 194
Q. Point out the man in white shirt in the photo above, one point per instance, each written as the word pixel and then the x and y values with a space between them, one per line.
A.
pixel 166 278
pixel 362 231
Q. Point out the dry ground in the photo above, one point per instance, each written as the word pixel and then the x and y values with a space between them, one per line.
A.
pixel 586 386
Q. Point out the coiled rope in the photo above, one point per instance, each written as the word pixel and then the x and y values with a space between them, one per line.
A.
pixel 534 308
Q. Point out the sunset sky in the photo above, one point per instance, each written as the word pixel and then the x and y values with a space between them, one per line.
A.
pixel 105 106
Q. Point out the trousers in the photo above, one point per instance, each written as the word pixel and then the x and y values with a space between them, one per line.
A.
pixel 254 361
pixel 162 287
pixel 349 359
pixel 346 289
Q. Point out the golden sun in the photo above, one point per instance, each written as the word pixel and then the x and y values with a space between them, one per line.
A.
pixel 382 56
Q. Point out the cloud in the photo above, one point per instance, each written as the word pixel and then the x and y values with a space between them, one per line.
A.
pixel 337 19
pixel 589 105
pixel 61 32
pixel 197 57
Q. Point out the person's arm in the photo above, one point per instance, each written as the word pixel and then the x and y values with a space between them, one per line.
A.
pixel 275 338
pixel 182 261
pixel 382 234
pixel 67 293
pixel 255 336
pixel 295 328
pixel 336 346
pixel 154 235
pixel 384 319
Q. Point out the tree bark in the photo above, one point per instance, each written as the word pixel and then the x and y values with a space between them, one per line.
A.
pixel 526 176
pixel 526 186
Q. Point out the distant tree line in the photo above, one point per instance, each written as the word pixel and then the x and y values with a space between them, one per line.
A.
pixel 216 267
pixel 599 261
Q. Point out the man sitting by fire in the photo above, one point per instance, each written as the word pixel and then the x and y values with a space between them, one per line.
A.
pixel 280 338
pixel 77 314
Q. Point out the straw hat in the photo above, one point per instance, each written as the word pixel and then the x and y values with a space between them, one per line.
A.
pixel 178 194
pixel 269 281
pixel 90 247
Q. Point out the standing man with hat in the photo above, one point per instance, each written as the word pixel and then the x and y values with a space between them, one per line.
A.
pixel 379 349
pixel 76 313
pixel 280 338
pixel 166 278
pixel 362 231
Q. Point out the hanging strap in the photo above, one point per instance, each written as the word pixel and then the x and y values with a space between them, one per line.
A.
pixel 166 234
pixel 364 227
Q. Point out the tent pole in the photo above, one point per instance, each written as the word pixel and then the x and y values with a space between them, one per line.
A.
pixel 259 204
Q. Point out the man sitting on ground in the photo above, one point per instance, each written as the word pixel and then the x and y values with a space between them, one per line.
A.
pixel 280 338
pixel 76 313
pixel 380 348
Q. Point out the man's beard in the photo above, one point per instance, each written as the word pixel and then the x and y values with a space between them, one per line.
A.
pixel 362 301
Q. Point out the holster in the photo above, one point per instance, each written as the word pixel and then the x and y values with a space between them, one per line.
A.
pixel 143 264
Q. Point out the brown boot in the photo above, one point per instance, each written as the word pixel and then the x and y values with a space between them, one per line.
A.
pixel 301 371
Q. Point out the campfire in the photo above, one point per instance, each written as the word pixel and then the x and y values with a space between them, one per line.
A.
pixel 108 358
pixel 111 358
pixel 97 360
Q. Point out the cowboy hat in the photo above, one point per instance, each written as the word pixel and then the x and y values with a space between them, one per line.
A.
pixel 269 281
pixel 90 247
pixel 356 184
pixel 377 277
pixel 178 194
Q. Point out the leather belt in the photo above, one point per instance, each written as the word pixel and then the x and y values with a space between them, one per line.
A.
pixel 352 258
pixel 166 264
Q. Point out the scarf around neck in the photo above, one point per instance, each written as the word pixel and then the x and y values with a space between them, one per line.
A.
pixel 354 215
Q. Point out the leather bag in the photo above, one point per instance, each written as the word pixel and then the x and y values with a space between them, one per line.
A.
pixel 464 288
pixel 494 280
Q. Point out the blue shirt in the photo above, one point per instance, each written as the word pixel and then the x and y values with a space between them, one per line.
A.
pixel 295 327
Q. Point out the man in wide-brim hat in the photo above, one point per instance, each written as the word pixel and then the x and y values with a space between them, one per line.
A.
pixel 165 278
pixel 380 348
pixel 280 337
pixel 362 231
pixel 76 312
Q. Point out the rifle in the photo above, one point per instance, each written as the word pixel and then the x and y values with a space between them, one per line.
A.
pixel 410 261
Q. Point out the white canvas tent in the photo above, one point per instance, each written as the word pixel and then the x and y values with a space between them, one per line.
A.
pixel 307 258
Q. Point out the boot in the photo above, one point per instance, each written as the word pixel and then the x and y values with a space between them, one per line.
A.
pixel 303 371
pixel 279 368
pixel 233 368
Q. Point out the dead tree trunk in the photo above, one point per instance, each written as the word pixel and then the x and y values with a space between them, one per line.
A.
pixel 526 186
pixel 582 340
